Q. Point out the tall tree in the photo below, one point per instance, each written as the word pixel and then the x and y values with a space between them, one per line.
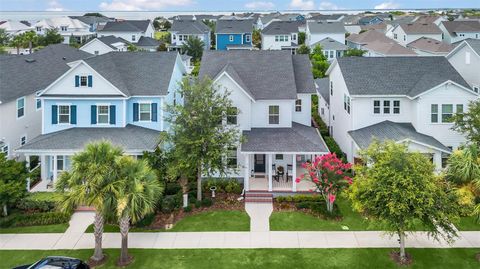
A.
pixel 257 38
pixel 199 135
pixel 4 37
pixel 51 37
pixel 30 38
pixel 17 42
pixel 303 49
pixel 13 180
pixel 139 191
pixel 319 62
pixel 399 189
pixel 468 123
pixel 301 38
pixel 92 182
pixel 194 47
pixel 212 25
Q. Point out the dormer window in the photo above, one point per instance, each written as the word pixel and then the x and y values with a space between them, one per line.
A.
pixel 63 28
pixel 298 105
pixel 39 29
pixel 133 37
pixel 83 81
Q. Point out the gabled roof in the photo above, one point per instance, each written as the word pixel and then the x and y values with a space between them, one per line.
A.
pixel 146 41
pixel 136 73
pixel 326 17
pixel 367 37
pixel 281 27
pixel 323 86
pixel 398 132
pixel 474 44
pixel 330 44
pixel 430 45
pixel 91 19
pixel 14 26
pixel 110 40
pixel 130 138
pixel 189 27
pixel 427 19
pixel 260 72
pixel 317 27
pixel 407 76
pixel 57 22
pixel 234 26
pixel 126 26
pixel 368 19
pixel 454 27
pixel 389 48
pixel 420 28
pixel 26 74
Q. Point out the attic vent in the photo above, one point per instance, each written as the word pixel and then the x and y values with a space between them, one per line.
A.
pixel 29 60
pixel 64 58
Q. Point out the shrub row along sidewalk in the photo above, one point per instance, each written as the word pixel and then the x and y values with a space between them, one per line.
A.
pixel 168 240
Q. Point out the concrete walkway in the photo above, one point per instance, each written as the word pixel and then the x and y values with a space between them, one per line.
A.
pixel 259 214
pixel 77 226
pixel 186 240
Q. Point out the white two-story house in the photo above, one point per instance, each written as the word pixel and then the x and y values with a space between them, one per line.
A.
pixel 130 30
pixel 466 60
pixel 409 32
pixel 456 31
pixel 22 78
pixel 181 30
pixel 413 103
pixel 118 96
pixel 319 30
pixel 105 44
pixel 272 104
pixel 67 27
pixel 281 35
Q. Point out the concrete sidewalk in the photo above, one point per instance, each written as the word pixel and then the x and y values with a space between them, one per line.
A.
pixel 187 240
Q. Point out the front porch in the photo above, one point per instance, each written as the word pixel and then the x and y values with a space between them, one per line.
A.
pixel 259 182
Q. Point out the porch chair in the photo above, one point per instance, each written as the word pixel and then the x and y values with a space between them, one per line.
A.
pixel 289 171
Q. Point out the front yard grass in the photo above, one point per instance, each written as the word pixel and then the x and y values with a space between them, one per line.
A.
pixel 468 224
pixel 53 228
pixel 212 221
pixel 260 258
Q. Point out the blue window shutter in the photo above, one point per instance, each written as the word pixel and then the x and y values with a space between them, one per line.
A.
pixel 135 111
pixel 154 111
pixel 112 115
pixel 73 116
pixel 90 81
pixel 54 114
pixel 77 81
pixel 93 114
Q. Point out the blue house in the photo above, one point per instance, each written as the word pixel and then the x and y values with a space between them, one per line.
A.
pixel 118 96
pixel 369 20
pixel 233 34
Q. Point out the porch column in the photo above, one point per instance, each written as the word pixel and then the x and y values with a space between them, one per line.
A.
pixel 246 177
pixel 294 172
pixel 27 164
pixel 55 168
pixel 43 167
pixel 269 168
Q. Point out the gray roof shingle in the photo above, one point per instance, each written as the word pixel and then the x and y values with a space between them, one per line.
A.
pixel 323 88
pixel 281 27
pixel 265 75
pixel 189 27
pixel 126 26
pixel 408 76
pixel 110 39
pixel 388 130
pixel 330 44
pixel 20 78
pixel 130 138
pixel 420 28
pixel 325 27
pixel 234 26
pixel 298 138
pixel 454 27
pixel 145 41
pixel 475 44
pixel 431 45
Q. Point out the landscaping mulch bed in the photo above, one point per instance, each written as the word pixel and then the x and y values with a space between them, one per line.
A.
pixel 222 201
pixel 395 256
pixel 290 207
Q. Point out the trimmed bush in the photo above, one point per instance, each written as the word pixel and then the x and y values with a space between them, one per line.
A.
pixel 223 185
pixel 170 203
pixel 39 202
pixel 198 204
pixel 233 186
pixel 45 218
pixel 146 221
pixel 207 202
pixel 333 146
pixel 187 209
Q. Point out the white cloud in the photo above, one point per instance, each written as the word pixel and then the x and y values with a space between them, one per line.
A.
pixel 136 5
pixel 55 6
pixel 328 6
pixel 302 4
pixel 387 5
pixel 260 5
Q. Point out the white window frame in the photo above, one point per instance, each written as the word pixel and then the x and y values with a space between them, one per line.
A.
pixel 60 159
pixel 396 107
pixel 103 114
pixel 232 116
pixel 230 38
pixel 60 114
pixel 64 28
pixel 18 108
pixel 443 113
pixel 140 111
pixel 80 81
pixel 5 149
pixel 298 105
pixel 231 156
pixel 476 88
pixel 23 140
pixel 247 38
pixel 379 107
pixel 346 103
pixel 434 113
pixel 274 115
pixel 134 38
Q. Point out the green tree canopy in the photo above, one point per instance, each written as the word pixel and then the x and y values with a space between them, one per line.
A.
pixel 319 62
pixel 4 37
pixel 199 136
pixel 51 37
pixel 301 38
pixel 194 47
pixel 13 182
pixel 398 188
pixel 303 49
pixel 354 52
pixel 257 38
pixel 468 123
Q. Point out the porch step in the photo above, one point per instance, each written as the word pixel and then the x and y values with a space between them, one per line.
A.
pixel 258 197
pixel 258 194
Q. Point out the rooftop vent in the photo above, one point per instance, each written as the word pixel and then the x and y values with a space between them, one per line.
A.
pixel 29 60
pixel 64 58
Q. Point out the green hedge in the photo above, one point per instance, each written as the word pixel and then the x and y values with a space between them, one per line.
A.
pixel 39 202
pixel 46 218
pixel 223 185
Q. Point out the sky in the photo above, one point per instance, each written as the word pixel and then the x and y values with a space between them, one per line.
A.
pixel 226 5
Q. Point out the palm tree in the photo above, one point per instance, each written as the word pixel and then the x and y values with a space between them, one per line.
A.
pixel 30 37
pixel 92 182
pixel 139 192
pixel 193 47
pixel 17 41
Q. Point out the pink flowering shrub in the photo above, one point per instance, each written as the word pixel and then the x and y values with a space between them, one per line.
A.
pixel 329 174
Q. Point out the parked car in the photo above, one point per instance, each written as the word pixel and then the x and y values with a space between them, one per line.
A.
pixel 54 262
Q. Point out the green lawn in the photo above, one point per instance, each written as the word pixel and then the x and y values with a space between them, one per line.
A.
pixel 261 258
pixel 213 221
pixel 468 224
pixel 54 228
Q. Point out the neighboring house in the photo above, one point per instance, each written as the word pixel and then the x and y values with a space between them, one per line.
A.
pixel 233 34
pixel 105 44
pixel 187 61
pixel 331 48
pixel 323 93
pixel 426 46
pixel 368 20
pixel 15 27
pixel 130 30
pixel 413 102
pixel 407 33
pixel 466 60
pixel 272 106
pixel 319 30
pixel 430 19
pixel 118 96
pixel 357 41
pixel 377 44
pixel 264 20
pixel 92 21
pixel 147 43
pixel 21 80
pixel 455 31
pixel 181 30
pixel 326 17
pixel 280 35
pixel 67 27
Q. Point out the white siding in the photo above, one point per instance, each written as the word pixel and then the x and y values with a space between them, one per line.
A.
pixel 470 72
pixel 96 46
pixel 303 117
